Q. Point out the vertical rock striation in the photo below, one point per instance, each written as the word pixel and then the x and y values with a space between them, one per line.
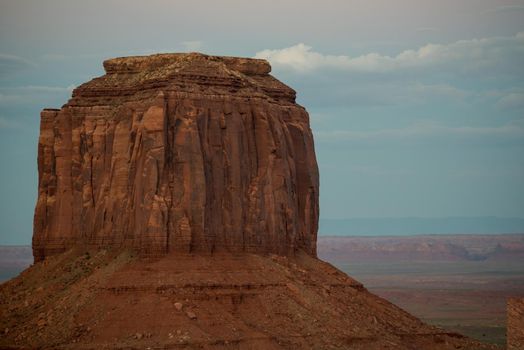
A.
pixel 178 152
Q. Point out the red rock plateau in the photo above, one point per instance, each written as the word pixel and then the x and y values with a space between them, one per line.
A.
pixel 178 209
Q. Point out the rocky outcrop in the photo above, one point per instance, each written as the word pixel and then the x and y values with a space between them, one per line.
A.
pixel 515 333
pixel 178 152
pixel 188 153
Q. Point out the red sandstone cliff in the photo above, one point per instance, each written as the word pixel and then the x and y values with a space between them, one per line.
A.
pixel 178 152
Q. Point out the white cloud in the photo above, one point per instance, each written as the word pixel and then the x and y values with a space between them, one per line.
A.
pixel 192 45
pixel 9 99
pixel 505 9
pixel 512 100
pixel 430 133
pixel 11 63
pixel 11 96
pixel 468 54
pixel 427 29
pixel 9 124
pixel 54 57
pixel 417 90
pixel 356 93
pixel 376 170
pixel 43 88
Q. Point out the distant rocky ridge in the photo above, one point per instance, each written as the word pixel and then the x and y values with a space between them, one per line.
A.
pixel 178 152
pixel 13 260
pixel 422 248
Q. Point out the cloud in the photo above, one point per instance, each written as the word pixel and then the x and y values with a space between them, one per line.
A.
pixel 465 55
pixel 6 123
pixel 430 134
pixel 427 29
pixel 193 45
pixel 377 170
pixel 512 100
pixel 356 93
pixel 417 90
pixel 505 9
pixel 443 79
pixel 25 95
pixel 43 88
pixel 12 63
pixel 10 99
pixel 54 57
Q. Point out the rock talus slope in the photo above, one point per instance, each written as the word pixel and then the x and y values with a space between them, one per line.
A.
pixel 178 152
pixel 111 300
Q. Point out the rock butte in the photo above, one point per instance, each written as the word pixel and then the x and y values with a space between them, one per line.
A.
pixel 178 152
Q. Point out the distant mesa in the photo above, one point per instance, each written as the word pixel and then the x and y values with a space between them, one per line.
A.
pixel 178 152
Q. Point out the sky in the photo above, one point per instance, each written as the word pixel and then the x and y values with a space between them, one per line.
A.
pixel 417 106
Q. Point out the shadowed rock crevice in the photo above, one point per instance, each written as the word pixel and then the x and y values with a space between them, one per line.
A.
pixel 178 152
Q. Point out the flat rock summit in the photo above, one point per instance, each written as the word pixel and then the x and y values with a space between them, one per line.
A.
pixel 178 209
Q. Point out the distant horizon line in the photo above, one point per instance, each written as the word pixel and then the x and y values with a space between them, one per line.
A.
pixel 418 235
pixel 409 226
pixel 400 226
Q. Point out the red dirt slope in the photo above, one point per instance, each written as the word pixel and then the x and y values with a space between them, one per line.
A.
pixel 108 300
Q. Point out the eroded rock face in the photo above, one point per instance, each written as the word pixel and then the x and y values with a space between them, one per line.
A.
pixel 178 152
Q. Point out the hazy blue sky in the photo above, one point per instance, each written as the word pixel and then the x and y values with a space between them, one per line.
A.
pixel 417 106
